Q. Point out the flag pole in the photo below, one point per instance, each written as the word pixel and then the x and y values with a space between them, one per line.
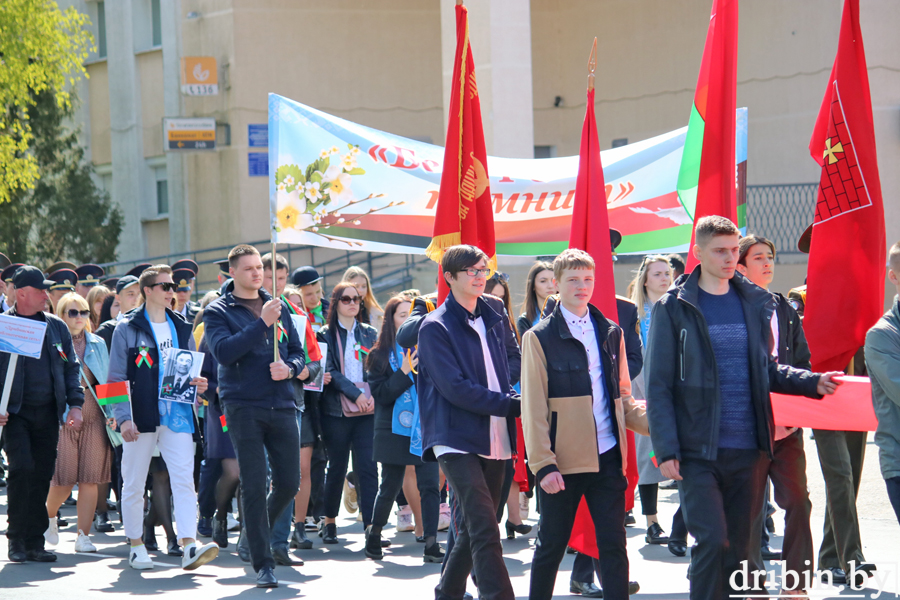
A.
pixel 275 296
pixel 592 66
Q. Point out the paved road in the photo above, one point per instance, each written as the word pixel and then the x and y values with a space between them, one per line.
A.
pixel 337 572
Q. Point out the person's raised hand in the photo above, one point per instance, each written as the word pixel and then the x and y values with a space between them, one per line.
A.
pixel 671 469
pixel 829 383
pixel 553 483
pixel 129 431
pixel 279 370
pixel 271 312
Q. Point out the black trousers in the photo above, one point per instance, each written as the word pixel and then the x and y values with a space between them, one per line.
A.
pixel 427 481
pixel 476 484
pixel 317 467
pixel 509 475
pixel 256 432
pixel 893 488
pixel 604 493
pixel 210 471
pixel 342 434
pixel 788 474
pixel 841 455
pixel 721 500
pixel 31 438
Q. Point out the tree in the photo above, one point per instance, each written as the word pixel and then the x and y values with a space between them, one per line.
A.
pixel 65 215
pixel 41 48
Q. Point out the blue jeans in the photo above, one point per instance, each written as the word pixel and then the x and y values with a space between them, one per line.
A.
pixel 281 529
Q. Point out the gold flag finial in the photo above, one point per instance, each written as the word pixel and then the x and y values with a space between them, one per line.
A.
pixel 592 65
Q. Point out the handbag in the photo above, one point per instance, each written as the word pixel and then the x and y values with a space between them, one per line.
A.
pixel 348 406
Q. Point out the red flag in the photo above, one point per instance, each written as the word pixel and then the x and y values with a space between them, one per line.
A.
pixel 712 125
pixel 464 211
pixel 845 279
pixel 590 232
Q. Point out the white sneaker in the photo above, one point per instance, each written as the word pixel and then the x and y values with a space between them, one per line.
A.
pixel 233 524
pixel 523 505
pixel 51 536
pixel 405 519
pixel 139 559
pixel 444 518
pixel 197 556
pixel 84 544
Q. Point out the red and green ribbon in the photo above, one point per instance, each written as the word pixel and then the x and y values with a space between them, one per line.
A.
pixel 224 424
pixel 282 334
pixel 143 357
pixel 653 459
pixel 62 354
pixel 360 350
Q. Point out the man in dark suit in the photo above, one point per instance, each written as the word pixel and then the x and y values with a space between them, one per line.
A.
pixel 178 385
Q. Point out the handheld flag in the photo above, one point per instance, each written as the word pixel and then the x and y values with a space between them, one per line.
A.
pixel 112 393
pixel 312 344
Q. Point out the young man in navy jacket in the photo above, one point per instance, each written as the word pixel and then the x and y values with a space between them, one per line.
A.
pixel 258 397
pixel 468 410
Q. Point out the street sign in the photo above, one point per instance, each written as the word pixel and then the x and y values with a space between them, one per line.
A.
pixel 189 134
pixel 258 135
pixel 199 76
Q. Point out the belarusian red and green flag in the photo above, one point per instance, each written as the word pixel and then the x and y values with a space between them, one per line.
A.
pixel 707 177
pixel 112 393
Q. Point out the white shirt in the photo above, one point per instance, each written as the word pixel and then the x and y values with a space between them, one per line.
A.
pixel 582 329
pixel 500 444
pixel 163 334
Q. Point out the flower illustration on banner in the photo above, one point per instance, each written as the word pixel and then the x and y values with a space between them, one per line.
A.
pixel 312 199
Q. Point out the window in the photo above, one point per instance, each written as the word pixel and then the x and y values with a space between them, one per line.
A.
pixel 101 30
pixel 545 151
pixel 162 191
pixel 156 19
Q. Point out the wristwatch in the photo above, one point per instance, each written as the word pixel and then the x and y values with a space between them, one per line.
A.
pixel 291 371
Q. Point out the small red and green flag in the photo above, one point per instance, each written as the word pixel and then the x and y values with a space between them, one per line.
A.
pixel 112 393
pixel 653 459
pixel 224 424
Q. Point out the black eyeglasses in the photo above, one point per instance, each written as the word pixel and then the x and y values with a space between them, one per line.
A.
pixel 166 286
pixel 350 299
pixel 74 313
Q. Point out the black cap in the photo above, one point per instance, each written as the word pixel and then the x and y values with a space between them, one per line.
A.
pixel 63 264
pixel 186 264
pixel 4 261
pixel 136 272
pixel 89 274
pixel 28 276
pixel 110 282
pixel 124 282
pixel 615 238
pixel 223 265
pixel 805 240
pixel 9 271
pixel 63 279
pixel 183 277
pixel 305 276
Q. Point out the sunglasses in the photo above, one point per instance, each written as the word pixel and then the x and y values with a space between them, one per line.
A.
pixel 350 299
pixel 166 286
pixel 75 313
pixel 498 276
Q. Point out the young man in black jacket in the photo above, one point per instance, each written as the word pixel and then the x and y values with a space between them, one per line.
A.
pixel 468 410
pixel 257 394
pixel 709 371
pixel 41 389
pixel 787 470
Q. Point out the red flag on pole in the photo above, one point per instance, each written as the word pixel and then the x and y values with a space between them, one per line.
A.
pixel 706 180
pixel 845 278
pixel 464 212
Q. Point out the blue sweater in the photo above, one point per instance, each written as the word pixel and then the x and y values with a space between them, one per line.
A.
pixel 728 333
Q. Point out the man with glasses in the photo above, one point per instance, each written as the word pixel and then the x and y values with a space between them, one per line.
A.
pixel 468 411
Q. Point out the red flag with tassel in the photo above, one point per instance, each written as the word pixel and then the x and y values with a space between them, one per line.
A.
pixel 464 214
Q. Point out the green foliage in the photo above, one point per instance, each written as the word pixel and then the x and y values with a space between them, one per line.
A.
pixel 41 48
pixel 65 216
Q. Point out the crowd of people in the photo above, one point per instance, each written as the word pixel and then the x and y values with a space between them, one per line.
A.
pixel 454 411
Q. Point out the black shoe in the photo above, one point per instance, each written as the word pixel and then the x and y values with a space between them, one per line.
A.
pixel 2 482
pixel 838 576
pixel 570 550
pixel 70 501
pixel 770 524
pixel 512 530
pixel 283 557
pixel 173 549
pixel 433 554
pixel 102 524
pixel 150 540
pixel 869 568
pixel 420 539
pixel 220 533
pixel 329 533
pixel 669 485
pixel 243 547
pixel 40 556
pixel 770 554
pixel 633 588
pixel 656 535
pixel 677 547
pixel 372 548
pixel 204 527
pixel 60 521
pixel 629 519
pixel 385 543
pixel 588 590
pixel 17 552
pixel 299 540
pixel 266 578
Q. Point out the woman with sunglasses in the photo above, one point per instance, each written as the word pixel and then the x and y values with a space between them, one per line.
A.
pixel 346 407
pixel 83 456
pixel 392 377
